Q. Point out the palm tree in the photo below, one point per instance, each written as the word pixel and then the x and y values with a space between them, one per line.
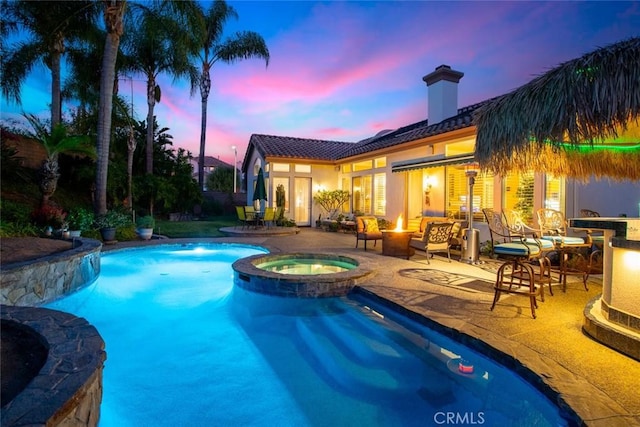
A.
pixel 55 142
pixel 156 46
pixel 51 27
pixel 82 82
pixel 207 32
pixel 113 16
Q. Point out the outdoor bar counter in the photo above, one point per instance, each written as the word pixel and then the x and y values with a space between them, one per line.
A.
pixel 619 303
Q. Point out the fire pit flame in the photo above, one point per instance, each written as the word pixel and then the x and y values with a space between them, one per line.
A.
pixel 398 223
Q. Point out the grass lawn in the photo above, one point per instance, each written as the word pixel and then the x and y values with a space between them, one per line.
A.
pixel 177 229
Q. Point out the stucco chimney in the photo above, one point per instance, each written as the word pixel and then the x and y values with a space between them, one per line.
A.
pixel 442 86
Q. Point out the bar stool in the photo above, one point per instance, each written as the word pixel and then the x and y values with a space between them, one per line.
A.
pixel 516 275
pixel 553 227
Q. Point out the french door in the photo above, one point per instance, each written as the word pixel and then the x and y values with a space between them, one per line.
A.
pixel 302 208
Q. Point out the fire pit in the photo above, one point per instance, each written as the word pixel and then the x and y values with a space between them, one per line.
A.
pixel 396 242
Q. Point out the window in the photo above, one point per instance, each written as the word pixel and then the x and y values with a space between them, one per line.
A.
pixel 362 194
pixel 379 195
pixel 346 168
pixel 458 189
pixel 380 162
pixel 554 195
pixel 362 166
pixel 467 146
pixel 280 167
pixel 345 187
pixel 302 168
pixel 517 194
pixel 256 166
pixel 277 180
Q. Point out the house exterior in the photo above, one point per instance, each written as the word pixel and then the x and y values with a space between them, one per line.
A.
pixel 419 169
pixel 210 164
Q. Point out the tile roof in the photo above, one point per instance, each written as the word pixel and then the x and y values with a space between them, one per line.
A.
pixel 299 148
pixel 210 161
pixel 317 149
pixel 415 131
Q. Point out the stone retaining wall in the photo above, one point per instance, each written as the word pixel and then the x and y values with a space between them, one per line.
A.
pixel 37 282
pixel 68 389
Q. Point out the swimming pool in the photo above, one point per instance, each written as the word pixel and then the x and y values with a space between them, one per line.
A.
pixel 186 347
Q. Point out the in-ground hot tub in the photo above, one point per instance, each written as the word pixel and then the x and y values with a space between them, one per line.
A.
pixel 301 275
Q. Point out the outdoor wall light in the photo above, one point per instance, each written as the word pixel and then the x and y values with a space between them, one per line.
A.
pixel 427 185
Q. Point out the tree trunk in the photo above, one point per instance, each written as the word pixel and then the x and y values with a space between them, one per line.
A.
pixel 151 102
pixel 48 177
pixel 131 148
pixel 114 11
pixel 56 103
pixel 205 87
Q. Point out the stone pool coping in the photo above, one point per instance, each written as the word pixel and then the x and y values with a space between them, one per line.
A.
pixel 68 388
pixel 252 278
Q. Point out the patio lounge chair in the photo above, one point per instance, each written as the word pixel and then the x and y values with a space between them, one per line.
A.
pixel 367 229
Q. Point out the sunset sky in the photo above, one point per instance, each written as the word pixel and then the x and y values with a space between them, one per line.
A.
pixel 345 70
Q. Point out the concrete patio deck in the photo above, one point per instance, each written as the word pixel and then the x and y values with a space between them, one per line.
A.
pixel 598 383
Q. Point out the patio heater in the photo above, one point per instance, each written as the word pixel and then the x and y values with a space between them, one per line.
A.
pixel 470 236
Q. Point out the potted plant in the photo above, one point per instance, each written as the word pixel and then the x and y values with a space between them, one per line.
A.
pixel 145 225
pixel 108 222
pixel 79 220
pixel 50 216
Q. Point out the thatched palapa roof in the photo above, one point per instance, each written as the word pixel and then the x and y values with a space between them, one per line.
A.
pixel 579 119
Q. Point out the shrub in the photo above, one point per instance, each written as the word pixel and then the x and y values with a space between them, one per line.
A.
pixel 48 214
pixel 112 219
pixel 80 219
pixel 16 229
pixel 11 211
pixel 146 221
pixel 331 201
pixel 383 224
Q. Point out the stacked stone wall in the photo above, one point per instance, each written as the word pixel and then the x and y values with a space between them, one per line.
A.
pixel 33 283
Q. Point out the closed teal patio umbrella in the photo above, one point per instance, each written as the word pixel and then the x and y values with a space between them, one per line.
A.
pixel 260 191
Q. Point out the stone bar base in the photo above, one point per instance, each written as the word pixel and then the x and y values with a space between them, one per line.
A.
pixel 620 338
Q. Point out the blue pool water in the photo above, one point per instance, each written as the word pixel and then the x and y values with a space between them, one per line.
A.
pixel 187 348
